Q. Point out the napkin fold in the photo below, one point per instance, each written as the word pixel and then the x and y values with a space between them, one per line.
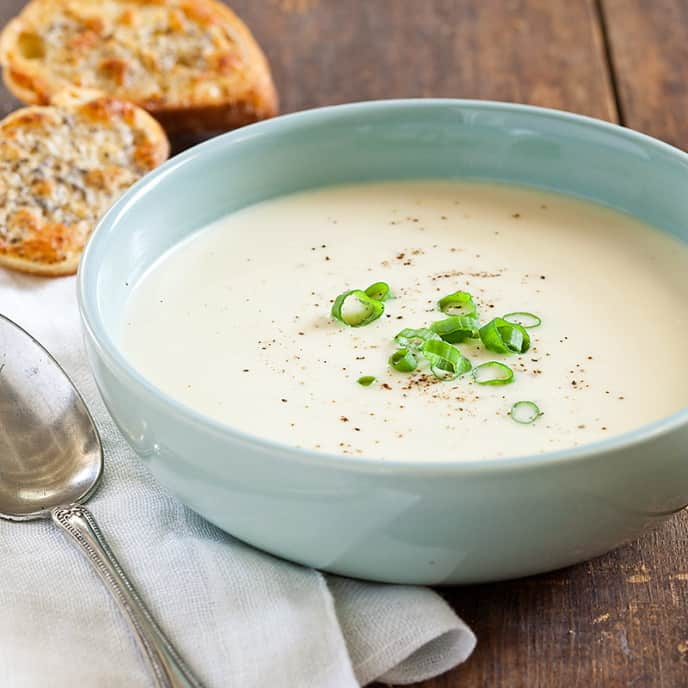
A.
pixel 239 617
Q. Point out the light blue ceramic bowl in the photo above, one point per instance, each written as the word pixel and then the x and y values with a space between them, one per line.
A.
pixel 423 522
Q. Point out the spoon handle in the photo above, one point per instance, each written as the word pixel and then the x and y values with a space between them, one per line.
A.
pixel 168 668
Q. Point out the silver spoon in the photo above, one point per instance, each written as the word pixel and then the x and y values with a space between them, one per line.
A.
pixel 51 461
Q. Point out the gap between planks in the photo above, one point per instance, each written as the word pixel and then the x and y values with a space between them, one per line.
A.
pixel 608 55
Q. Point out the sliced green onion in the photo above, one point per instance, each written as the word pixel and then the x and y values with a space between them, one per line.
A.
pixel 456 328
pixel 355 308
pixel 366 380
pixel 379 291
pixel 523 318
pixel 446 361
pixel 493 373
pixel 458 303
pixel 505 337
pixel 525 412
pixel 414 339
pixel 403 360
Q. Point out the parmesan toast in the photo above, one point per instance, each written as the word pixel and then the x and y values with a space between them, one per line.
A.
pixel 61 167
pixel 191 63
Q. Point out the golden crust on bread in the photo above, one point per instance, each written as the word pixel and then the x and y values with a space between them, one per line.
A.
pixel 61 167
pixel 191 63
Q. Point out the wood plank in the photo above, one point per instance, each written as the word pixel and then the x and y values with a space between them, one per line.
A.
pixel 8 8
pixel 616 621
pixel 650 55
pixel 542 52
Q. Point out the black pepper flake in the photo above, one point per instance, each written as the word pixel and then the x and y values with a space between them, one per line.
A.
pixel 284 401
pixel 344 419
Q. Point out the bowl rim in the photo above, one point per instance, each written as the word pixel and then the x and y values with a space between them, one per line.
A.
pixel 108 349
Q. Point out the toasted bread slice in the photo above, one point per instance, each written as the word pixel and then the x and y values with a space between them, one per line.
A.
pixel 61 167
pixel 191 63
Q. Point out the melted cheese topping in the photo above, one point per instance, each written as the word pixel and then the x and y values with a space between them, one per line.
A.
pixel 62 168
pixel 147 52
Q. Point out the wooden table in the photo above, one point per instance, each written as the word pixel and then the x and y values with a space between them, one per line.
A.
pixel 621 620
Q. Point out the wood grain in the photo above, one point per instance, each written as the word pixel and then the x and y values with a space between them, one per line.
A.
pixel 8 103
pixel 620 620
pixel 544 52
pixel 616 621
pixel 649 52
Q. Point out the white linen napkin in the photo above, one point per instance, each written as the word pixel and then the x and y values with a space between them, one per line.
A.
pixel 238 616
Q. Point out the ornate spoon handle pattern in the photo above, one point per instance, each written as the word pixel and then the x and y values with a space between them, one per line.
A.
pixel 168 668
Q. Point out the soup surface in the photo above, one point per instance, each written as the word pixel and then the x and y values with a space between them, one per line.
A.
pixel 235 322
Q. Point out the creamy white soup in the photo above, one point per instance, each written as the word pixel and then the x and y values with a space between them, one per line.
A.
pixel 236 321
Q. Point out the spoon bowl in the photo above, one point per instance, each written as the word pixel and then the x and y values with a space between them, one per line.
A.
pixel 50 449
